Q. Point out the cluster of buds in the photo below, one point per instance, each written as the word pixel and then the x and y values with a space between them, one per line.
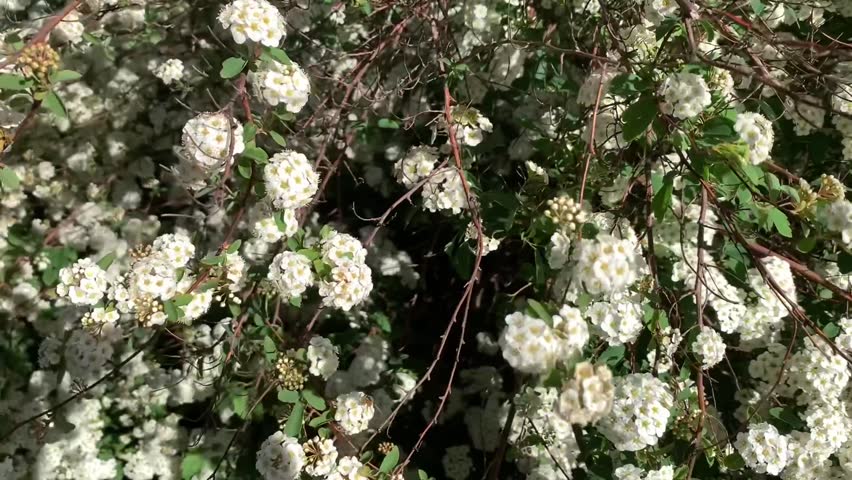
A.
pixel 139 252
pixel 807 199
pixel 38 60
pixel 567 214
pixel 831 188
pixel 385 448
pixel 290 374
pixel 149 311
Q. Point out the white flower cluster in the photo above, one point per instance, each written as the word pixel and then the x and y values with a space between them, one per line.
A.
pixel 618 321
pixel 632 472
pixel 806 116
pixel 83 283
pixel 588 396
pixel 710 346
pixel 529 344
pixel 350 281
pixel 279 83
pixel 267 229
pixel 255 20
pixel 320 456
pixel 322 356
pixel 291 273
pixel 639 413
pixel 606 264
pixel 291 181
pixel 171 71
pixel 763 448
pixel 353 412
pixel 280 457
pixel 756 131
pixel 210 140
pixel 349 468
pixel 473 125
pixel 685 95
pixel 416 165
pixel 444 191
pixel 837 216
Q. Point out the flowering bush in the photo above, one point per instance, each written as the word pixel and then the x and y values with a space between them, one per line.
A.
pixel 381 239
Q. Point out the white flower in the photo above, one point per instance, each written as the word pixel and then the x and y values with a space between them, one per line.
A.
pixel 268 230
pixel 572 331
pixel 279 83
pixel 416 165
pixel 588 396
pixel 639 413
pixel 177 249
pixel 529 344
pixel 280 458
pixel 354 411
pixel 322 355
pixel 710 346
pixel 619 321
pixel 84 282
pixel 255 20
pixel 756 131
pixel 290 179
pixel 338 248
pixel 763 448
pixel 686 95
pixel 320 456
pixel 444 191
pixel 171 71
pixel 291 274
pixel 607 265
pixel 348 284
pixel 209 138
pixel 349 468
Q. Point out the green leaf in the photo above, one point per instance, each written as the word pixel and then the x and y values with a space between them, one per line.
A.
pixel 293 244
pixel 382 321
pixel 54 105
pixel 288 396
pixel 663 199
pixel 244 168
pixel 234 247
pixel 314 400
pixel 279 221
pixel 278 138
pixel 612 355
pixel 213 260
pixel 831 330
pixel 9 81
pixel 270 351
pixel 296 301
pixel 232 67
pixel 192 465
pixel 733 462
pixel 182 300
pixel 390 461
pixel 321 267
pixel 388 124
pixel 64 76
pixel 279 56
pixel 320 420
pixel 240 403
pixel 8 179
pixel 293 427
pixel 540 310
pixel 257 154
pixel 781 222
pixel 638 117
pixel 325 231
pixel 249 133
pixel 807 244
pixel 172 311
pixel 310 253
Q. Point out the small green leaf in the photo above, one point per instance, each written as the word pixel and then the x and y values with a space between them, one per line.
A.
pixel 296 301
pixel 321 267
pixel 54 105
pixel 663 199
pixel 540 310
pixel 390 461
pixel 192 465
pixel 270 351
pixel 232 67
pixel 612 355
pixel 806 244
pixel 249 132
pixel 325 231
pixel 781 222
pixel 213 260
pixel 234 247
pixel 310 253
pixel 638 117
pixel 288 396
pixel 171 310
pixel 314 400
pixel 293 244
pixel 9 81
pixel 244 168
pixel 8 179
pixel 278 138
pixel 240 403
pixel 279 56
pixel 320 420
pixel 293 427
pixel 182 300
pixel 831 330
pixel 257 154
pixel 64 76
pixel 388 124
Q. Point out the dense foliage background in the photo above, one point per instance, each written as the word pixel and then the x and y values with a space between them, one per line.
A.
pixel 379 239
